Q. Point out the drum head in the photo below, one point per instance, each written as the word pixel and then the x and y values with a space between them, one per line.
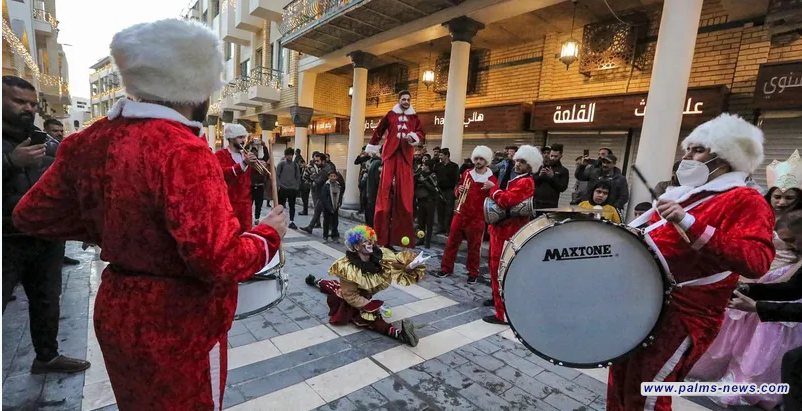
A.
pixel 260 294
pixel 584 293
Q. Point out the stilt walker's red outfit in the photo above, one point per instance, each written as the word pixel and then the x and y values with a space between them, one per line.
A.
pixel 393 218
pixel 238 178
pixel 518 189
pixel 152 196
pixel 469 223
pixel 730 228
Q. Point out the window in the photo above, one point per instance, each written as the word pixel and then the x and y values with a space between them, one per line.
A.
pixel 270 57
pixel 244 68
pixel 204 16
pixel 215 8
pixel 229 50
pixel 258 58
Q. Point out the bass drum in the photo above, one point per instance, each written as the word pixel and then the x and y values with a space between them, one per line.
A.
pixel 262 292
pixel 581 292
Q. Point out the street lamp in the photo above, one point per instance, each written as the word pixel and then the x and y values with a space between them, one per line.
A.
pixel 569 52
pixel 428 78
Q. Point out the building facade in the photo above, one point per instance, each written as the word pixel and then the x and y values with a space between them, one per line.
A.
pixel 105 88
pixel 31 51
pixel 80 114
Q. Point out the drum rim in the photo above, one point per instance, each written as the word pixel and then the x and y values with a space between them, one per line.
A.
pixel 283 281
pixel 648 340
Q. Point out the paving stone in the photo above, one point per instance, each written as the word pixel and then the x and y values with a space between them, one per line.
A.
pixel 112 407
pixel 446 374
pixel 367 399
pixel 567 373
pixel 287 328
pixel 266 385
pixel 591 384
pixel 563 402
pixel 457 315
pixel 242 339
pixel 485 399
pixel 232 397
pixel 523 401
pixel 446 397
pixel 485 361
pixel 237 328
pixel 600 403
pixel 62 392
pixel 341 404
pixel 20 392
pixel 530 385
pixel 519 363
pixel 378 345
pixel 567 387
pixel 399 397
pixel 327 363
pixel 485 378
pixel 485 346
pixel 452 359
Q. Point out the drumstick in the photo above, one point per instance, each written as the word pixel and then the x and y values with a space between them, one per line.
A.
pixel 654 197
pixel 274 192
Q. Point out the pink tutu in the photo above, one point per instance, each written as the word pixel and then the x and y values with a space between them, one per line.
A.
pixel 747 350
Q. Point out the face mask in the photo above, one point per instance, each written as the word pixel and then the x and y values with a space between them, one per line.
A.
pixel 692 173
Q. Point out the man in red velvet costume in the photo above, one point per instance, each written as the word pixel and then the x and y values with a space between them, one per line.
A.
pixel 730 228
pixel 402 130
pixel 144 186
pixel 235 162
pixel 520 188
pixel 469 222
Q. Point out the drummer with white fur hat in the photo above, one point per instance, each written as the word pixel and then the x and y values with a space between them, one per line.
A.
pixel 235 161
pixel 730 230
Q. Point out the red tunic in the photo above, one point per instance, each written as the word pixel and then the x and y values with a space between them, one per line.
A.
pixel 468 224
pixel 518 190
pixel 733 232
pixel 152 196
pixel 239 186
pixel 393 219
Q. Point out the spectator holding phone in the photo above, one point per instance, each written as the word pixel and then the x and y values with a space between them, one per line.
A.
pixel 551 180
pixel 34 262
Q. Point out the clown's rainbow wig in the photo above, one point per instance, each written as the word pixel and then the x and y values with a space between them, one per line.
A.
pixel 358 234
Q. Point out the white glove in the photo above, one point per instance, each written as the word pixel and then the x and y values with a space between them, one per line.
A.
pixel 418 261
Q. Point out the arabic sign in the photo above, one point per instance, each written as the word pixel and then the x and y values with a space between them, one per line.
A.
pixel 779 86
pixel 288 131
pixel 324 126
pixel 623 111
pixel 497 119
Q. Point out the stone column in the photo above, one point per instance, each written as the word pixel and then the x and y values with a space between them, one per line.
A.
pixel 356 135
pixel 211 131
pixel 301 117
pixel 306 100
pixel 462 29
pixel 669 86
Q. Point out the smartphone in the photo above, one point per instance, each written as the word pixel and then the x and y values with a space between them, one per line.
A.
pixel 38 138
pixel 586 153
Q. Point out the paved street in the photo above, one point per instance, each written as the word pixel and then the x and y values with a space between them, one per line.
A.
pixel 291 359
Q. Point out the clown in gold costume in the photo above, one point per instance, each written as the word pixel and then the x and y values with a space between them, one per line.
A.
pixel 365 270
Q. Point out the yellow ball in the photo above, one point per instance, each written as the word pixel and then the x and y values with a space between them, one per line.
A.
pixel 405 240
pixel 421 234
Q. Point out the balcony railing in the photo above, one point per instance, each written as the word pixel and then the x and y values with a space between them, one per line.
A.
pixel 263 76
pixel 302 13
pixel 41 14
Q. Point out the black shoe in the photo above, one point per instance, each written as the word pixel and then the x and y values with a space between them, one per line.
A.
pixel 493 320
pixel 307 230
pixel 59 364
pixel 292 226
pixel 489 303
pixel 442 274
pixel 70 261
pixel 407 334
pixel 311 280
pixel 472 280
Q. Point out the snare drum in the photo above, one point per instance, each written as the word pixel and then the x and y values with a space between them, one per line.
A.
pixel 494 213
pixel 581 292
pixel 263 291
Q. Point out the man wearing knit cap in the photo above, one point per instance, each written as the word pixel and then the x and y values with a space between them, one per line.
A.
pixel 730 231
pixel 235 162
pixel 520 188
pixel 469 220
pixel 143 185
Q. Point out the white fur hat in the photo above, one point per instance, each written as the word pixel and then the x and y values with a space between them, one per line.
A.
pixel 733 139
pixel 171 60
pixel 531 155
pixel 234 131
pixel 483 152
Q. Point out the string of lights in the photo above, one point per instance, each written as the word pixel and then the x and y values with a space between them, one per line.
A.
pixel 19 50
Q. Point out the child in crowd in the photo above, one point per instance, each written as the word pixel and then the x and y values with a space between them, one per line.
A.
pixel 332 200
pixel 599 197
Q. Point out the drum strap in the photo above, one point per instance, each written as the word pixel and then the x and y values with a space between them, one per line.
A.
pixel 688 208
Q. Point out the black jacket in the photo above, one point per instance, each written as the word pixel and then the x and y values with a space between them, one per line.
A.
pixel 620 195
pixel 17 180
pixel 548 189
pixel 447 175
pixel 772 310
pixel 425 186
pixel 374 178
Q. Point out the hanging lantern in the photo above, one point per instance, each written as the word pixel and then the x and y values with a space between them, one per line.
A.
pixel 428 77
pixel 569 53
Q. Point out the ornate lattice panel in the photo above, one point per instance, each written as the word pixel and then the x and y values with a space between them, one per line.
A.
pixel 477 72
pixel 607 45
pixel 387 80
